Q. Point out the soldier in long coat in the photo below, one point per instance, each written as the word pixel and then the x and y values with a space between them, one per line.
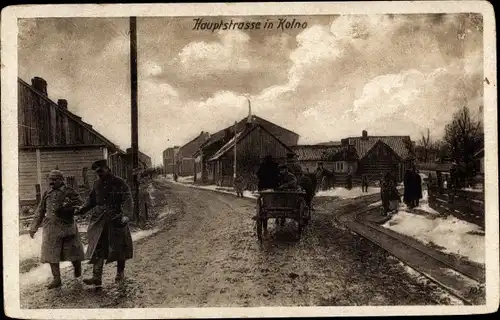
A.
pixel 60 238
pixel 108 233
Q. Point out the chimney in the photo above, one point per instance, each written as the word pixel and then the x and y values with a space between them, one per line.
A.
pixel 63 103
pixel 39 84
pixel 364 135
pixel 249 118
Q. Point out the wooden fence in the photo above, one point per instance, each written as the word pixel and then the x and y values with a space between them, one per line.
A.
pixel 466 205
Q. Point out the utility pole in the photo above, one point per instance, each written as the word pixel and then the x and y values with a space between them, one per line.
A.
pixel 134 113
pixel 234 174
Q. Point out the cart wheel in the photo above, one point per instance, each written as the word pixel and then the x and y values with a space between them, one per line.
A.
pixel 301 219
pixel 259 221
pixel 259 229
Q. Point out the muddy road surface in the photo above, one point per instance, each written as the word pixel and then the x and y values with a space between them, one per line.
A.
pixel 207 255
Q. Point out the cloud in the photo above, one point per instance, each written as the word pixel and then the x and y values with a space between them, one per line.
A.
pixel 227 54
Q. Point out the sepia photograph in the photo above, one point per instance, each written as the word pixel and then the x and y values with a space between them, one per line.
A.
pixel 193 156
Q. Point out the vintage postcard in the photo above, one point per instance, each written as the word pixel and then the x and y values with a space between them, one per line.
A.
pixel 249 160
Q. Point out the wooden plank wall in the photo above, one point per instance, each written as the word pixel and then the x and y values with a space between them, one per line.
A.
pixel 70 162
pixel 465 205
pixel 42 123
pixel 27 175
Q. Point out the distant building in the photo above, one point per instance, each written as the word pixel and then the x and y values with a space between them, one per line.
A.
pixel 50 137
pixel 252 145
pixel 185 159
pixel 479 156
pixel 375 155
pixel 204 169
pixel 309 156
pixel 144 160
pixel 170 159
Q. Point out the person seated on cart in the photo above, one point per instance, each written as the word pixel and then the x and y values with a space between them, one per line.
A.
pixel 268 174
pixel 287 180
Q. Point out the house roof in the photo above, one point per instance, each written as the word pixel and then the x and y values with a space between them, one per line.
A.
pixel 396 143
pixel 73 116
pixel 240 125
pixel 312 152
pixel 240 136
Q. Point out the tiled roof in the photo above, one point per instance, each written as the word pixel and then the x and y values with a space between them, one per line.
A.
pixel 396 143
pixel 312 152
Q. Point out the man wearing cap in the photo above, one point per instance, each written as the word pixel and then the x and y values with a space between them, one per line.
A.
pixel 287 180
pixel 293 165
pixel 108 233
pixel 60 238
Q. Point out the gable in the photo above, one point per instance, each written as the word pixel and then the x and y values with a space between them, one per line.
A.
pixel 396 143
pixel 381 150
pixel 244 135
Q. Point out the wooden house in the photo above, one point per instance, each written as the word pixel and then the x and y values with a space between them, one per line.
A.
pixel 309 156
pixel 204 169
pixel 185 160
pixel 375 155
pixel 50 137
pixel 253 143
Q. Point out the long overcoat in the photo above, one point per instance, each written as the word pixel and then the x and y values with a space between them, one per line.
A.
pixel 60 238
pixel 111 199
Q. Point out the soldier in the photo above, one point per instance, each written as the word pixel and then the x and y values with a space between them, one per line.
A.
pixel 239 185
pixel 60 238
pixel 108 233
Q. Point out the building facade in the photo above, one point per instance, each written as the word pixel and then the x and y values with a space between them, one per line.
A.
pixel 51 137
pixel 252 145
pixel 170 159
pixel 217 140
pixel 376 155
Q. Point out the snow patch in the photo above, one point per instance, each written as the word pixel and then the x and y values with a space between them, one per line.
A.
pixel 376 204
pixel 42 273
pixel 453 235
pixel 423 280
pixel 344 193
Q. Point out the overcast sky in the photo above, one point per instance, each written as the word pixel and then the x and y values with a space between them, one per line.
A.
pixel 340 75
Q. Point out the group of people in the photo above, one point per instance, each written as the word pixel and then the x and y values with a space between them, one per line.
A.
pixel 412 190
pixel 109 237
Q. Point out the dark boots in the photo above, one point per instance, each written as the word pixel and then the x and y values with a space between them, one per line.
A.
pixel 56 273
pixel 96 279
pixel 120 271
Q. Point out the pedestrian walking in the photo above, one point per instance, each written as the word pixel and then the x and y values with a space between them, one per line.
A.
pixel 108 234
pixel 418 187
pixel 349 181
pixel 239 185
pixel 409 188
pixel 60 238
pixel 389 194
pixel 364 183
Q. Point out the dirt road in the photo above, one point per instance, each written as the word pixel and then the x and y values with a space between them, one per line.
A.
pixel 207 255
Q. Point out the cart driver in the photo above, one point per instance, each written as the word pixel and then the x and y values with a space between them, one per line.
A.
pixel 287 180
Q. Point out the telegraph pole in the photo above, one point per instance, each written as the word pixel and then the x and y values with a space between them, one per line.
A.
pixel 134 113
pixel 234 168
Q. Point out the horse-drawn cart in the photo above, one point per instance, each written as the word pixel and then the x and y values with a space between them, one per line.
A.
pixel 281 205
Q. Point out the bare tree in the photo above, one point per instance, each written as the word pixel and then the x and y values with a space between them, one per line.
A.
pixel 464 136
pixel 426 144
